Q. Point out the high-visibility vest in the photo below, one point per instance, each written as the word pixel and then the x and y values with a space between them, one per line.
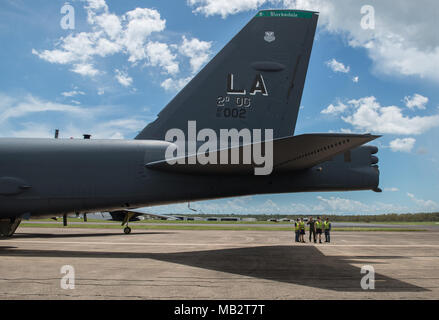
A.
pixel 297 227
pixel 326 224
pixel 302 225
pixel 318 224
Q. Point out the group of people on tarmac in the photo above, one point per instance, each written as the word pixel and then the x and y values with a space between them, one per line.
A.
pixel 316 228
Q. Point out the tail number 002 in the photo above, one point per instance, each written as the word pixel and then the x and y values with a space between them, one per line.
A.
pixel 226 112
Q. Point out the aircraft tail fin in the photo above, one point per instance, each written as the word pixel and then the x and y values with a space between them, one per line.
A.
pixel 254 82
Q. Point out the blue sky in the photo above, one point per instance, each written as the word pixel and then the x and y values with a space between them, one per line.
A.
pixel 124 60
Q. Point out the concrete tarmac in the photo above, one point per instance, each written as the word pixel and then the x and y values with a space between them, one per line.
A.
pixel 185 264
pixel 430 227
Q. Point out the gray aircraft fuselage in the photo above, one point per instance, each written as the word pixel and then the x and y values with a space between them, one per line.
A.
pixel 47 177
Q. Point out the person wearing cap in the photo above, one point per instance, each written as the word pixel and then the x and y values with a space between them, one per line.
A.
pixel 327 228
pixel 319 227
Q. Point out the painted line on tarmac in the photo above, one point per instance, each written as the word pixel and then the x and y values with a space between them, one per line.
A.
pixel 218 244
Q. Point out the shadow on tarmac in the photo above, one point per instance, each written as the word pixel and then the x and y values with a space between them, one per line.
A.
pixel 305 266
pixel 79 235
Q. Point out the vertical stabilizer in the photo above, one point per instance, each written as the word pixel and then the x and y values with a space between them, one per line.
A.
pixel 255 81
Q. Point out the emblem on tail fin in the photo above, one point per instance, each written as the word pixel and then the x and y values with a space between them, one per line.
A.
pixel 269 36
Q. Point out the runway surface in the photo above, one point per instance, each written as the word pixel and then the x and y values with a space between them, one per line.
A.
pixel 430 227
pixel 185 264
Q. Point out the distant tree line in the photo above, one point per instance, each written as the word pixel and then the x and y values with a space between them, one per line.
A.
pixel 408 217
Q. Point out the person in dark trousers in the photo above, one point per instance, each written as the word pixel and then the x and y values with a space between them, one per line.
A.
pixel 312 229
pixel 302 231
pixel 319 227
pixel 297 229
pixel 327 227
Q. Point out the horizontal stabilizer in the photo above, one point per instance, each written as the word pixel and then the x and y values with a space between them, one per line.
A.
pixel 289 154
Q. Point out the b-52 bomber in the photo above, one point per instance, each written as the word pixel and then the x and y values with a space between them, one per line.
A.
pixel 198 148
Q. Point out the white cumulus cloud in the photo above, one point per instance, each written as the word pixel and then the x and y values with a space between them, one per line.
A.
pixel 415 101
pixel 141 22
pixel 369 115
pixel 404 41
pixel 429 205
pixel 133 35
pixel 72 93
pixel 402 145
pixel 123 78
pixel 159 55
pixel 85 69
pixel 224 7
pixel 110 34
pixel 335 109
pixel 197 51
pixel 337 66
pixel 343 205
pixel 171 84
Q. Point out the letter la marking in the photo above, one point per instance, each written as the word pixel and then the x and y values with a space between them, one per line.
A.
pixel 230 88
pixel 258 85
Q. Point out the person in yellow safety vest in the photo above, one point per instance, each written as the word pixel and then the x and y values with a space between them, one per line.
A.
pixel 319 227
pixel 327 228
pixel 297 229
pixel 302 231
